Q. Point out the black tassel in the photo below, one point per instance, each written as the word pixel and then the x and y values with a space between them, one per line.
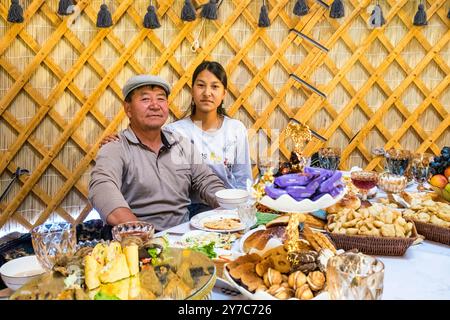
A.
pixel 15 13
pixel 420 19
pixel 151 19
pixel 104 19
pixel 301 8
pixel 264 20
pixel 337 9
pixel 65 7
pixel 209 10
pixel 188 11
pixel 376 19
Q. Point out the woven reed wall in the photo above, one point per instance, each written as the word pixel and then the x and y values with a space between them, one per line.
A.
pixel 60 81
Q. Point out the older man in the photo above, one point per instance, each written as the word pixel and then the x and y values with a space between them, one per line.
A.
pixel 148 174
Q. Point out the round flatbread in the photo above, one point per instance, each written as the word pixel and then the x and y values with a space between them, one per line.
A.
pixel 223 224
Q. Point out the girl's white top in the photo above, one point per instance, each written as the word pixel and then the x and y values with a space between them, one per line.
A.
pixel 225 150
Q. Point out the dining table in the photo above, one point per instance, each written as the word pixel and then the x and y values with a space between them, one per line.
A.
pixel 422 273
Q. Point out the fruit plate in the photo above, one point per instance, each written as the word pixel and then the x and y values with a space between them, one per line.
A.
pixel 286 203
pixel 263 295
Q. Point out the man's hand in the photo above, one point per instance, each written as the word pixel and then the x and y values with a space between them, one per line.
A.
pixel 109 138
pixel 120 215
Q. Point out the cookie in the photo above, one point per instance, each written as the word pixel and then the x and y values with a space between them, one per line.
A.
pixel 274 251
pixel 304 293
pixel 307 267
pixel 262 267
pixel 316 280
pixel 272 277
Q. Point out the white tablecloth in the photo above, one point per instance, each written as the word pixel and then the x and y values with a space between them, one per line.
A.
pixel 422 273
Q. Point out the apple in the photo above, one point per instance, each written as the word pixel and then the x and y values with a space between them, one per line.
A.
pixel 446 192
pixel 447 172
pixel 439 180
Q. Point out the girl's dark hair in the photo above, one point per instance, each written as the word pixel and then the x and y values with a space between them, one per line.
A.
pixel 216 69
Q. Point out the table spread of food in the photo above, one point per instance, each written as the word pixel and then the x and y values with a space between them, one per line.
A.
pixel 300 254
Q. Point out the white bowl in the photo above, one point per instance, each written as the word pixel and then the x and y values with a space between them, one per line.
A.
pixel 286 203
pixel 17 272
pixel 232 198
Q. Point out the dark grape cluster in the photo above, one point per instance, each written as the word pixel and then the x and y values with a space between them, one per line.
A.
pixel 441 162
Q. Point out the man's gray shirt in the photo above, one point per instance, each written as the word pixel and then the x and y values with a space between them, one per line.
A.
pixel 154 186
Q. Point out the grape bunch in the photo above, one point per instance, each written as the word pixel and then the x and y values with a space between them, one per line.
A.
pixel 441 162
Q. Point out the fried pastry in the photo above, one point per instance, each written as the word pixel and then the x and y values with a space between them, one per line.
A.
pixel 251 280
pixel 318 240
pixel 281 263
pixel 238 271
pixel 254 258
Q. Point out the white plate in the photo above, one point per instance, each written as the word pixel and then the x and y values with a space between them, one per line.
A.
pixel 198 220
pixel 262 295
pixel 286 203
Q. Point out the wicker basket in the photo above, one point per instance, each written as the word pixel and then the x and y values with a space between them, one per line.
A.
pixel 382 246
pixel 433 232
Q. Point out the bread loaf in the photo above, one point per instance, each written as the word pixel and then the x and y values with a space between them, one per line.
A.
pixel 259 239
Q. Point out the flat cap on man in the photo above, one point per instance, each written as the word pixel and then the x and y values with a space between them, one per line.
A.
pixel 144 80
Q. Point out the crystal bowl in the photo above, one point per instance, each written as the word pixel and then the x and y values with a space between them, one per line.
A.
pixel 140 229
pixel 392 183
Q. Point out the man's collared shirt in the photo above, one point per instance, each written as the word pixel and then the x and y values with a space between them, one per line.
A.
pixel 154 186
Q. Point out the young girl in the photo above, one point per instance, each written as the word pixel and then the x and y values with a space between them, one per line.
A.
pixel 221 140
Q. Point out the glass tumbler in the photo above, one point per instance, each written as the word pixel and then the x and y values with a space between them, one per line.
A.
pixel 329 158
pixel 420 167
pixel 355 276
pixel 53 241
pixel 247 215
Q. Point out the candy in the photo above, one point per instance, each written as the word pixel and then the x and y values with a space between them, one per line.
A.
pixel 300 191
pixel 331 182
pixel 274 192
pixel 293 179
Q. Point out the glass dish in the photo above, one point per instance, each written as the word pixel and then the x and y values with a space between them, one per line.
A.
pixel 140 229
pixel 53 241
pixel 392 183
